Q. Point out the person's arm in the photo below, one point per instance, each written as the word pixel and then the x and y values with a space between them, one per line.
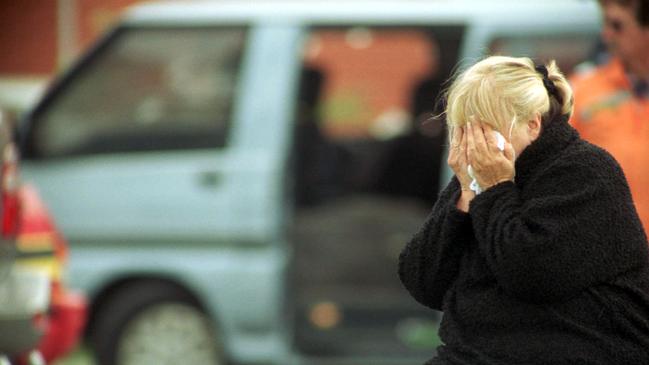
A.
pixel 429 263
pixel 577 228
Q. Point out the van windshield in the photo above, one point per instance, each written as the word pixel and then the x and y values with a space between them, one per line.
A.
pixel 145 89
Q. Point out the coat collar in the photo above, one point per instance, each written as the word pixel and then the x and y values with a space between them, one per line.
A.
pixel 555 136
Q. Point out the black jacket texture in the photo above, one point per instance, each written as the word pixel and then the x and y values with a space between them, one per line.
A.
pixel 550 269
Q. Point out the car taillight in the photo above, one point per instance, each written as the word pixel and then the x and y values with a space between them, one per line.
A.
pixel 10 185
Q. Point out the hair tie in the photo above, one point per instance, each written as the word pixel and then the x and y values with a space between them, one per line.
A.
pixel 549 84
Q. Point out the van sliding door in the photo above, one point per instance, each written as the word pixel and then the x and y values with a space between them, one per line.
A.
pixel 368 155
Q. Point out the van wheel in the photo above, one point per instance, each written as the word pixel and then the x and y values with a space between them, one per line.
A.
pixel 149 323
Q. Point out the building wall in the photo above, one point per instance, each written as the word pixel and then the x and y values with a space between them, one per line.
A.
pixel 39 38
pixel 28 42
pixel 94 17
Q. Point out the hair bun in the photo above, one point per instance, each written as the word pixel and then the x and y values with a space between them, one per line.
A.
pixel 549 84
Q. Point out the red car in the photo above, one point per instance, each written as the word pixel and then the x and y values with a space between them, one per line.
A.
pixel 41 246
pixel 32 244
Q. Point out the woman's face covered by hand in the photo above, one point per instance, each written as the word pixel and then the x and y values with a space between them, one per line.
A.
pixel 475 143
pixel 490 164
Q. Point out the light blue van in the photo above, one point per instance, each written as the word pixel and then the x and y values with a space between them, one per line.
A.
pixel 236 179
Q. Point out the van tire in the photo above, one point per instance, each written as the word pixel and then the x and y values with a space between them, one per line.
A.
pixel 120 329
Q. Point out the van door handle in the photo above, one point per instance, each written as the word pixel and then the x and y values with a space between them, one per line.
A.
pixel 209 179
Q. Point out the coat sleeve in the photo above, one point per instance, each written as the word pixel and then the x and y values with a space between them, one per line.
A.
pixel 577 227
pixel 429 263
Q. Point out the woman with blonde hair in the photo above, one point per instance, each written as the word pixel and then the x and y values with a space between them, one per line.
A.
pixel 534 250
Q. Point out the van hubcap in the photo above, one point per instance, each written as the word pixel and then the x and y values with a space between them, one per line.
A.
pixel 168 333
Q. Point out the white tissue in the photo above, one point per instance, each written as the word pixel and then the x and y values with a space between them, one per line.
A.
pixel 474 186
pixel 500 141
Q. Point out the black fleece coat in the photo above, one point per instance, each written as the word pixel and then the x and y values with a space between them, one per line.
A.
pixel 552 269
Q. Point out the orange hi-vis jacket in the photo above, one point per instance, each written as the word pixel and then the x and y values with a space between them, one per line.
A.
pixel 609 115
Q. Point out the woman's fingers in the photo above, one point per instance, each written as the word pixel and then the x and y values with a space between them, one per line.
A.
pixel 490 137
pixel 480 137
pixel 470 142
pixel 456 140
pixel 463 146
pixel 457 159
pixel 509 152
pixel 476 144
pixel 454 148
pixel 457 137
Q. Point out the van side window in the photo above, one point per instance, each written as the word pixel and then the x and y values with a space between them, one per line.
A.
pixel 364 119
pixel 569 50
pixel 145 90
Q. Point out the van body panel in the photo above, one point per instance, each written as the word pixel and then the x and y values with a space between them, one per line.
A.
pixel 364 11
pixel 240 289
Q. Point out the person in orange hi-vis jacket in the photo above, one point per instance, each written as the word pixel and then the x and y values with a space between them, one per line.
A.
pixel 612 100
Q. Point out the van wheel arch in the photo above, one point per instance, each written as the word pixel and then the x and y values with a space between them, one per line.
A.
pixel 114 306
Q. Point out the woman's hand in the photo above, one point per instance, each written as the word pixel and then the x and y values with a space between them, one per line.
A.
pixel 490 165
pixel 458 161
pixel 457 157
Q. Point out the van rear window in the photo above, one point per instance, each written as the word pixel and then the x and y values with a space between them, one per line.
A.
pixel 145 90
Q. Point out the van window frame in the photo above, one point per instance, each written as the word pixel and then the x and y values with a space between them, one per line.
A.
pixel 30 122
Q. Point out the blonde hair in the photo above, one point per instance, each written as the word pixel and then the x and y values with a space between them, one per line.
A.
pixel 504 91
